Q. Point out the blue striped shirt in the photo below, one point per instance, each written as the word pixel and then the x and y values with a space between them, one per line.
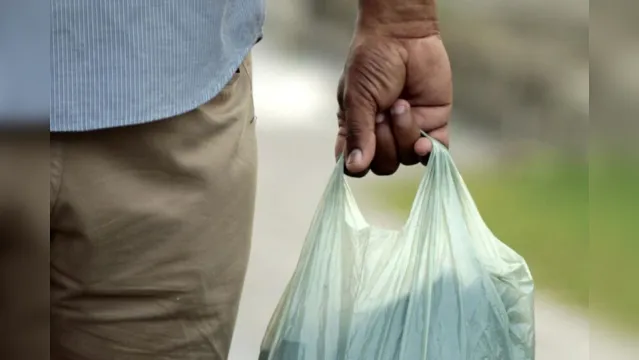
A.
pixel 24 63
pixel 126 62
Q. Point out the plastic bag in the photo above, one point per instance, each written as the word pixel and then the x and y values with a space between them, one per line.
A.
pixel 441 288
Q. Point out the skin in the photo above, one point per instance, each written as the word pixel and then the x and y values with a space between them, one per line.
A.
pixel 396 82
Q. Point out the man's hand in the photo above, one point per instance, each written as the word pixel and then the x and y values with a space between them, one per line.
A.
pixel 396 82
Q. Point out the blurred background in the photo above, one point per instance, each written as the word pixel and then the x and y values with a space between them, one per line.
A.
pixel 521 138
pixel 544 132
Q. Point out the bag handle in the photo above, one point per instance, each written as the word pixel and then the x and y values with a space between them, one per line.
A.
pixel 433 182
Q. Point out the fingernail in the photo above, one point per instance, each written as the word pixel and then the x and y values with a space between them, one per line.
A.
pixel 379 118
pixel 398 109
pixel 354 157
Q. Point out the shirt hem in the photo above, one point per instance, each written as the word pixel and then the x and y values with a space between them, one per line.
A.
pixel 209 93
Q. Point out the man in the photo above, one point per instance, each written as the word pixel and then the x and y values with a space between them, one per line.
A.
pixel 153 159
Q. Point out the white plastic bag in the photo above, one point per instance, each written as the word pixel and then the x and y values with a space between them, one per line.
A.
pixel 442 288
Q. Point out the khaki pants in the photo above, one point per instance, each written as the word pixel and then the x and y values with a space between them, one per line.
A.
pixel 150 233
pixel 24 246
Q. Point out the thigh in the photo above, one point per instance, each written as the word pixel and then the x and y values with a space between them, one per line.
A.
pixel 24 247
pixel 151 232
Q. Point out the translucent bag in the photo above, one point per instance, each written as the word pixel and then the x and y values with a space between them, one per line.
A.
pixel 441 288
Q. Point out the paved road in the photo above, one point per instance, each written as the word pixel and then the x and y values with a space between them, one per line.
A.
pixel 294 100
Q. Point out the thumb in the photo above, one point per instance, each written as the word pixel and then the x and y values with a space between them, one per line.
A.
pixel 360 135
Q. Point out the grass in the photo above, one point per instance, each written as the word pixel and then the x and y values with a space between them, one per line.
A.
pixel 542 209
pixel 614 238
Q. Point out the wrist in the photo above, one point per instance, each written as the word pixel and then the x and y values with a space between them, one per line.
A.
pixel 398 18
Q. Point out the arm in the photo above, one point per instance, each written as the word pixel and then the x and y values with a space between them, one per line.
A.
pixel 398 18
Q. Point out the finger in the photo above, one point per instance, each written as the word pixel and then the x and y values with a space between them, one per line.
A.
pixel 424 146
pixel 429 118
pixel 405 131
pixel 385 161
pixel 359 116
pixel 340 149
pixel 340 142
pixel 441 135
pixel 340 93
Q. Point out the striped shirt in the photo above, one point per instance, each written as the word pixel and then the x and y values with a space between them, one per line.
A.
pixel 125 62
pixel 24 63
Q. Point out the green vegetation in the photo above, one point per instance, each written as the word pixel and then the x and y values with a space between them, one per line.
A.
pixel 541 209
pixel 614 235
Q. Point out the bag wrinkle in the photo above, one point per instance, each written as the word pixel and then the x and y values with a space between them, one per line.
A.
pixel 441 288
